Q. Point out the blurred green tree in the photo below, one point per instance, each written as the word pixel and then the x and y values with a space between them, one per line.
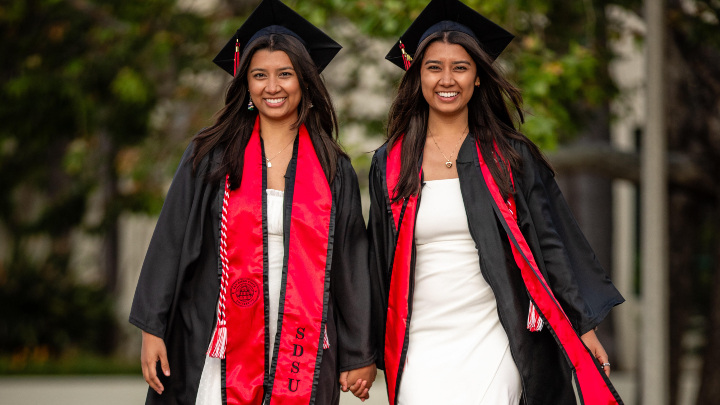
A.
pixel 78 82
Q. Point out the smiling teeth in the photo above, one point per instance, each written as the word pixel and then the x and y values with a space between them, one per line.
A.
pixel 448 94
pixel 275 100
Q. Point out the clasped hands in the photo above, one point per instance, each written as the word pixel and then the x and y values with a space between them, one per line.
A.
pixel 358 381
pixel 153 350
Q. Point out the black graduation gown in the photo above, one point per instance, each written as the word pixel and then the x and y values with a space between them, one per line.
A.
pixel 177 293
pixel 559 247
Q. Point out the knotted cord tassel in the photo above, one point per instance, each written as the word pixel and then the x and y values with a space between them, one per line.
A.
pixel 236 62
pixel 407 59
pixel 219 340
pixel 534 322
pixel 326 341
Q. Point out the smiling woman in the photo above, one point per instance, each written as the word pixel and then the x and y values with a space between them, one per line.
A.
pixel 479 267
pixel 278 81
pixel 256 281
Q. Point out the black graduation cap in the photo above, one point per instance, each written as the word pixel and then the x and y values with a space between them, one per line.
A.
pixel 450 15
pixel 274 17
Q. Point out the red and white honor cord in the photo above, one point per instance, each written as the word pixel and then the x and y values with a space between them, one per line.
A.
pixel 534 321
pixel 219 341
pixel 326 341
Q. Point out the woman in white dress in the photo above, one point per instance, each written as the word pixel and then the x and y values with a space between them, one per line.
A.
pixel 486 292
pixel 255 284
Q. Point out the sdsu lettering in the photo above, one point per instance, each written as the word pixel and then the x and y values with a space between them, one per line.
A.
pixel 298 351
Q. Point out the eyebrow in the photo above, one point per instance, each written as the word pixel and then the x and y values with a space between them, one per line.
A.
pixel 265 70
pixel 458 62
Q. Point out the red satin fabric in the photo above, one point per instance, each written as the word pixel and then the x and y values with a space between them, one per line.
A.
pixel 244 304
pixel 304 291
pixel 302 319
pixel 593 388
pixel 398 302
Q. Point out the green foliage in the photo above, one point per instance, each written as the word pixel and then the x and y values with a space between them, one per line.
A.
pixel 128 87
pixel 46 310
pixel 78 83
pixel 73 362
pixel 555 59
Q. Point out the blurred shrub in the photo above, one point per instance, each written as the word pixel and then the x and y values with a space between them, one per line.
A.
pixel 72 362
pixel 45 313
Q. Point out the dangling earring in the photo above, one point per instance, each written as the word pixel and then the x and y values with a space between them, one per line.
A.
pixel 251 106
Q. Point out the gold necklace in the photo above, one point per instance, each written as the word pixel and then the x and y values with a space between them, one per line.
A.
pixel 276 155
pixel 448 163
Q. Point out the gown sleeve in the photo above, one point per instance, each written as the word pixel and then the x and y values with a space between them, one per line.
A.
pixel 381 243
pixel 350 278
pixel 158 280
pixel 573 271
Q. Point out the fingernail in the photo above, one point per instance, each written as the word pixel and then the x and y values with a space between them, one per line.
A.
pixel 167 373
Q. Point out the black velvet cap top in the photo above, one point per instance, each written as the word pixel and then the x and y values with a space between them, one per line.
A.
pixel 451 15
pixel 274 17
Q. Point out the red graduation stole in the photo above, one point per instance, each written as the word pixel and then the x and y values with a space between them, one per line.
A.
pixel 591 385
pixel 240 336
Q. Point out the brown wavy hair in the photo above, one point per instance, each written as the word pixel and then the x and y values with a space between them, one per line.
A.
pixel 234 122
pixel 494 114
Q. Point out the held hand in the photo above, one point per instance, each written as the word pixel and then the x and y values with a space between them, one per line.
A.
pixel 361 380
pixel 591 341
pixel 153 349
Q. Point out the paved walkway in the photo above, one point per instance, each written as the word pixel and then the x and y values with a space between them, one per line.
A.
pixel 110 390
pixel 126 390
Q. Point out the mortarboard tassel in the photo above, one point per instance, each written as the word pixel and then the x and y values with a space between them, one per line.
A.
pixel 407 59
pixel 236 63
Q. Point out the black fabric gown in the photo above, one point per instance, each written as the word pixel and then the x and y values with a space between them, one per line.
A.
pixel 177 293
pixel 559 247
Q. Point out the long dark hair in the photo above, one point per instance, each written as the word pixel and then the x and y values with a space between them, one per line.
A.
pixel 489 117
pixel 234 122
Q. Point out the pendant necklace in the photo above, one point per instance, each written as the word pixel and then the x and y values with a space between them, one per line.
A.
pixel 267 161
pixel 448 163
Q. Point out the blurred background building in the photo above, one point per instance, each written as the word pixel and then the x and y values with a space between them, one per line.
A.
pixel 99 98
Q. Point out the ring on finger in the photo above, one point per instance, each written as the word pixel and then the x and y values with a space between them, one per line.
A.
pixel 605 365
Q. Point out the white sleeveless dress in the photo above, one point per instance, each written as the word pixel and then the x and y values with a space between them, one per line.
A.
pixel 458 351
pixel 209 392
